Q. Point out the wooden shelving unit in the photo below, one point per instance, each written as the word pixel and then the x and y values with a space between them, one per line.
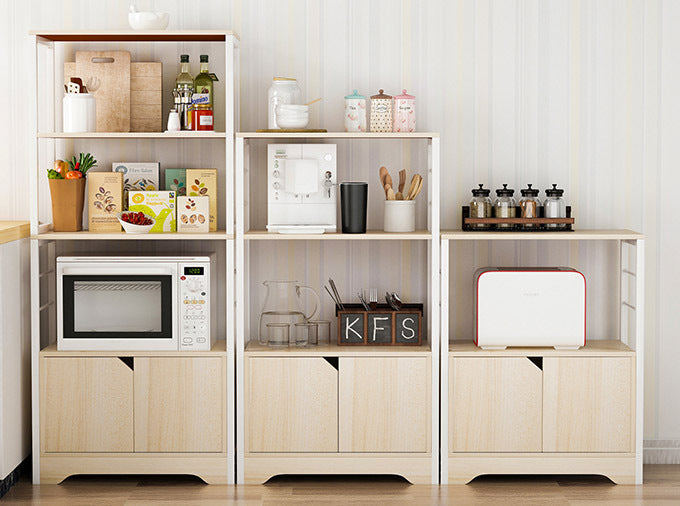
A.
pixel 370 235
pixel 213 456
pixel 541 410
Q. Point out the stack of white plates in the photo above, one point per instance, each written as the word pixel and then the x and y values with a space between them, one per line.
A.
pixel 292 116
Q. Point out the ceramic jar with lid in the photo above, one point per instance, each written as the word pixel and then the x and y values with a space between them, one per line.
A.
pixel 555 206
pixel 284 90
pixel 480 206
pixel 381 112
pixel 404 114
pixel 504 206
pixel 529 204
pixel 355 113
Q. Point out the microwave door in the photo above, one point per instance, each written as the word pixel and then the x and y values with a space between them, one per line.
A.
pixel 118 306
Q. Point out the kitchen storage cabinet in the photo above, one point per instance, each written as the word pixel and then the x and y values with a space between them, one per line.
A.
pixel 146 413
pixel 312 413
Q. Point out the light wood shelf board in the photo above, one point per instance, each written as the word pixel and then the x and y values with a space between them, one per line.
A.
pixel 132 135
pixel 14 230
pixel 123 236
pixel 255 349
pixel 600 348
pixel 577 235
pixel 370 235
pixel 135 35
pixel 337 135
pixel 218 349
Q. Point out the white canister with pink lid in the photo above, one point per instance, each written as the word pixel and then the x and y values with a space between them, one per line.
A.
pixel 404 115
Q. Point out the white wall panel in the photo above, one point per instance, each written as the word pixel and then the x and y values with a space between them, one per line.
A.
pixel 582 93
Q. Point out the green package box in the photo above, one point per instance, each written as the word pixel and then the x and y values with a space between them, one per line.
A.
pixel 176 180
pixel 160 205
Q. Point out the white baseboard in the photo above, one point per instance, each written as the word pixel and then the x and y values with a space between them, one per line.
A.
pixel 661 451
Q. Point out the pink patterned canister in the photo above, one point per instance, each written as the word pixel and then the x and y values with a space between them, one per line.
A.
pixel 404 113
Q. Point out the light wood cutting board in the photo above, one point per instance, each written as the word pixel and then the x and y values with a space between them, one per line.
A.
pixel 107 75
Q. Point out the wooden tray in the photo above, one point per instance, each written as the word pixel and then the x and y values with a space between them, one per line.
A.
pixel 540 222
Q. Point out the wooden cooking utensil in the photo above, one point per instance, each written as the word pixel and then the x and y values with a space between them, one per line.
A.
pixel 419 186
pixel 313 101
pixel 390 194
pixel 388 180
pixel 383 173
pixel 412 186
pixel 402 182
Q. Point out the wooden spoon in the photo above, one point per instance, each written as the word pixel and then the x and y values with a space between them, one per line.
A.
pixel 390 194
pixel 414 181
pixel 383 174
pixel 416 190
pixel 402 182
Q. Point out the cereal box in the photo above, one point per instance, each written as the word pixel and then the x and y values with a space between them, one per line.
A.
pixel 203 183
pixel 143 176
pixel 105 201
pixel 159 205
pixel 193 214
pixel 176 180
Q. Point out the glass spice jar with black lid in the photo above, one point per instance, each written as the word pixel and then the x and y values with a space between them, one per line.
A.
pixel 555 206
pixel 504 206
pixel 529 204
pixel 480 206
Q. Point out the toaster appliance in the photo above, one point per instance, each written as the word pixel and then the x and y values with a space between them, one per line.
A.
pixel 530 307
pixel 301 188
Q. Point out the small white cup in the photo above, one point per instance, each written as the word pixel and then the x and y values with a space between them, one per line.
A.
pixel 400 216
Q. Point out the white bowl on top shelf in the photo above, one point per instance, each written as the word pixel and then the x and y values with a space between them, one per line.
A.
pixel 292 116
pixel 148 20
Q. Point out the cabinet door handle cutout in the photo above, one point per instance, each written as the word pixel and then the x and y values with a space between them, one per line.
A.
pixel 334 361
pixel 537 361
pixel 128 361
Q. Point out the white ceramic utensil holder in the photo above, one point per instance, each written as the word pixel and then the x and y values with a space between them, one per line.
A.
pixel 400 216
pixel 79 112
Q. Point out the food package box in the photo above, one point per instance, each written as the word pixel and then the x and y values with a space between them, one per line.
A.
pixel 143 176
pixel 159 205
pixel 105 201
pixel 203 183
pixel 193 214
pixel 176 180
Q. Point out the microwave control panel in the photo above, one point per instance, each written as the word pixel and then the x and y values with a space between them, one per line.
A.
pixel 194 311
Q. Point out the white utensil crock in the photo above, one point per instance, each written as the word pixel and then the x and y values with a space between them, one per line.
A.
pixel 79 112
pixel 400 216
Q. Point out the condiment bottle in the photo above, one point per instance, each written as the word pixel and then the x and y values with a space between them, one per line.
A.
pixel 284 90
pixel 203 85
pixel 355 113
pixel 480 206
pixel 554 206
pixel 203 117
pixel 404 113
pixel 381 112
pixel 529 204
pixel 504 206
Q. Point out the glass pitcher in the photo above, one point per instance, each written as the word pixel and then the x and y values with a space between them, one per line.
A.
pixel 283 304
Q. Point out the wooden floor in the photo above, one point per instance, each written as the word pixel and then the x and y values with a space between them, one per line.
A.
pixel 662 486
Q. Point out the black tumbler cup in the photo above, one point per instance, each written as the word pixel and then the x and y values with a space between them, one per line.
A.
pixel 353 202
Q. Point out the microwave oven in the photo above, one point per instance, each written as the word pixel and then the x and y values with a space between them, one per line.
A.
pixel 134 303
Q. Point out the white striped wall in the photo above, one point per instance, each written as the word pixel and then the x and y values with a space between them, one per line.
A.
pixel 581 93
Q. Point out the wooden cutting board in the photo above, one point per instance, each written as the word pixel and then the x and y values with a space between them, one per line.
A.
pixel 107 75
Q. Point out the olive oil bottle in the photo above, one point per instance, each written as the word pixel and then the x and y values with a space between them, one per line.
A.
pixel 203 85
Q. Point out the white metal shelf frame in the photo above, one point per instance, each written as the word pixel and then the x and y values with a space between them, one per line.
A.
pixel 631 300
pixel 241 190
pixel 40 240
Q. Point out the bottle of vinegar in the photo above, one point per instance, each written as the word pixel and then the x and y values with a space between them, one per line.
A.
pixel 184 77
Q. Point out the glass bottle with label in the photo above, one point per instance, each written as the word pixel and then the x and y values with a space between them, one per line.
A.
pixel 554 206
pixel 203 85
pixel 504 206
pixel 529 204
pixel 480 206
pixel 184 77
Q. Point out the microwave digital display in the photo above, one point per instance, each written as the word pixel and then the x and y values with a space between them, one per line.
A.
pixel 193 271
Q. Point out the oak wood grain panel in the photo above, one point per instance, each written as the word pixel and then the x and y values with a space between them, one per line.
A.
pixel 495 405
pixel 180 404
pixel 86 405
pixel 385 404
pixel 291 405
pixel 589 404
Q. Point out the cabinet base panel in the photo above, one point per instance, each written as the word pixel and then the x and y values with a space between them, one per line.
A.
pixel 417 470
pixel 620 468
pixel 56 468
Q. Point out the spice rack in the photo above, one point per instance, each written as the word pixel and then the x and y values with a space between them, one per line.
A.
pixel 539 223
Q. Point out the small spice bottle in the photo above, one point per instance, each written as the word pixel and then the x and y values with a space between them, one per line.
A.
pixel 555 206
pixel 381 112
pixel 480 206
pixel 529 204
pixel 504 206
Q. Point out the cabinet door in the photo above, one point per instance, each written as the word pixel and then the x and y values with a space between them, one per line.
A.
pixel 292 405
pixel 588 404
pixel 86 405
pixel 385 404
pixel 494 405
pixel 180 404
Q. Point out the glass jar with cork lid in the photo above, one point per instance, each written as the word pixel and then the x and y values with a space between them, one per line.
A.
pixel 504 206
pixel 480 206
pixel 529 204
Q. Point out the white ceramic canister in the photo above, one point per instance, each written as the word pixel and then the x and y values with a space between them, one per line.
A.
pixel 404 113
pixel 381 112
pixel 400 216
pixel 355 113
pixel 79 111
pixel 284 90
